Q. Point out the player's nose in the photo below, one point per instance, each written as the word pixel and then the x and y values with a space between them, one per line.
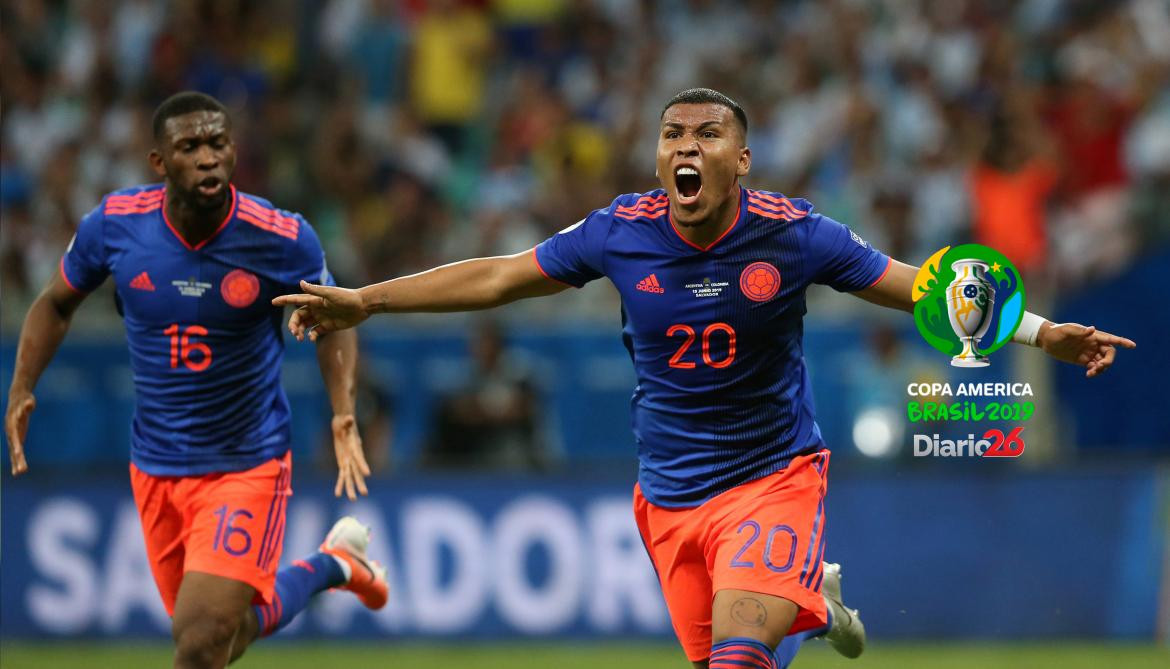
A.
pixel 206 157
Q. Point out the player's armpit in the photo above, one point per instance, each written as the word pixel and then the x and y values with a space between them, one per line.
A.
pixel 894 289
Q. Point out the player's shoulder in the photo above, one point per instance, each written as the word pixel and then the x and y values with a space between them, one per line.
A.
pixel 262 215
pixel 776 206
pixel 630 207
pixel 132 202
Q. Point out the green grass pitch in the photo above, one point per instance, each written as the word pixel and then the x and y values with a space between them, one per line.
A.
pixel 325 655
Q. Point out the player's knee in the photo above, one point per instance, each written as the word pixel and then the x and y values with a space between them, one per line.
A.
pixel 205 640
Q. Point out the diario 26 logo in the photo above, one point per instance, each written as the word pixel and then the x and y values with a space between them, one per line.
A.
pixel 968 302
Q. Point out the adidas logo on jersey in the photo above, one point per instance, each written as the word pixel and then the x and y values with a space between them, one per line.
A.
pixel 650 285
pixel 142 282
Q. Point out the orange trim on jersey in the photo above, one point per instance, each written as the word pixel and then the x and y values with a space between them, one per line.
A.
pixel 770 214
pixel 124 211
pixel 141 195
pixel 66 278
pixel 649 208
pixel 141 203
pixel 546 274
pixel 226 219
pixel 889 264
pixel 270 215
pixel 734 222
pixel 272 218
pixel 264 225
pixel 645 200
pixel 783 201
pixel 774 211
pixel 645 206
pixel 146 195
pixel 640 214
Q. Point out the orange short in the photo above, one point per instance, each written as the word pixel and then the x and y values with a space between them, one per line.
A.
pixel 765 536
pixel 227 524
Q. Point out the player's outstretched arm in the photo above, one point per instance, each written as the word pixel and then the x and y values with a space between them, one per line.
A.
pixel 470 285
pixel 895 290
pixel 44 328
pixel 337 356
pixel 1073 343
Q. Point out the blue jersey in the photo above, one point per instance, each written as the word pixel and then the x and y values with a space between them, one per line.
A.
pixel 205 341
pixel 723 395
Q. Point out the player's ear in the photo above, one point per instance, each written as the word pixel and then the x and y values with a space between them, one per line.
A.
pixel 156 163
pixel 745 162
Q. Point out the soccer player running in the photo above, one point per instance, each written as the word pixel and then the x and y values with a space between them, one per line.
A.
pixel 732 466
pixel 195 263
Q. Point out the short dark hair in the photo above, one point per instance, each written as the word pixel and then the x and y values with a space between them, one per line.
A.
pixel 183 103
pixel 703 96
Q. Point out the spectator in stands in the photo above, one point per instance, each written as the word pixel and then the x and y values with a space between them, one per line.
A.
pixel 492 422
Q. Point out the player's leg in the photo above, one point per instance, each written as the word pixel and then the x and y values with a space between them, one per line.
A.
pixel 212 617
pixel 746 627
pixel 341 562
pixel 682 573
pixel 162 530
pixel 765 549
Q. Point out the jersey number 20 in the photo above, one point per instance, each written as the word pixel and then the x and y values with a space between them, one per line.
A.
pixel 182 347
pixel 676 360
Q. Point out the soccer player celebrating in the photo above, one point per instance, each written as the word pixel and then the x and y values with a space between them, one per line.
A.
pixel 732 466
pixel 195 263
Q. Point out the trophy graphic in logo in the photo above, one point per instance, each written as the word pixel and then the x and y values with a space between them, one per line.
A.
pixel 970 306
pixel 968 301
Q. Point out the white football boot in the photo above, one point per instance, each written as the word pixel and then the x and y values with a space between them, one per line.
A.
pixel 847 634
pixel 347 542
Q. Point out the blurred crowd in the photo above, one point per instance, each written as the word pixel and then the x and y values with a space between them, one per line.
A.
pixel 413 132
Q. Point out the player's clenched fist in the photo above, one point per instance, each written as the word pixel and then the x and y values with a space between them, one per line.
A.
pixel 322 309
pixel 20 407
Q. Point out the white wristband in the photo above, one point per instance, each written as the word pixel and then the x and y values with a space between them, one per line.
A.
pixel 1029 328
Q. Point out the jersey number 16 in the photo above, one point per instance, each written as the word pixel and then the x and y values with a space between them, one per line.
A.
pixel 182 347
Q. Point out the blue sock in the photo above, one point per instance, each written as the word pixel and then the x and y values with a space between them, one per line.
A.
pixel 741 653
pixel 789 645
pixel 295 586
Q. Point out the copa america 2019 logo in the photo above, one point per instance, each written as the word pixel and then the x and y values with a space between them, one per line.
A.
pixel 968 302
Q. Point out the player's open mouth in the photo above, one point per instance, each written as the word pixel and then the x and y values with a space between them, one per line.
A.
pixel 688 184
pixel 210 186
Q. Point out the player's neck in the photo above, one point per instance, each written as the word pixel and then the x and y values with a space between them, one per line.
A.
pixel 705 232
pixel 193 224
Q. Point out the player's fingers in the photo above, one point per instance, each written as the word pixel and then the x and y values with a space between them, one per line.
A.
pixel 320 291
pixel 1107 359
pixel 363 466
pixel 349 492
pixel 15 452
pixel 340 481
pixel 295 300
pixel 1114 340
pixel 301 319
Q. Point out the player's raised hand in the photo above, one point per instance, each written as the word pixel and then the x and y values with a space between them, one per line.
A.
pixel 322 309
pixel 352 469
pixel 20 408
pixel 1080 345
